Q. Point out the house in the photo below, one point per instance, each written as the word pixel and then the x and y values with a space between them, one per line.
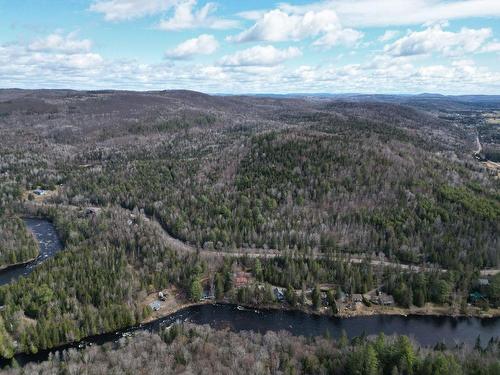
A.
pixel 155 306
pixel 385 299
pixel 357 298
pixel 279 293
pixel 475 297
pixel 483 282
pixel 208 294
pixel 241 279
pixel 161 296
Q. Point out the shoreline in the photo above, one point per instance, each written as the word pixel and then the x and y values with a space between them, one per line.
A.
pixel 25 262
pixel 15 265
pixel 384 311
pixel 181 305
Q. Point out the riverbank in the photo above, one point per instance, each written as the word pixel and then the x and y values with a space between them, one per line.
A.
pixel 173 306
pixel 7 267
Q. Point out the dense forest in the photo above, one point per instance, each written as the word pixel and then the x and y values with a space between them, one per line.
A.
pixel 194 349
pixel 309 182
pixel 16 243
pixel 319 187
pixel 109 265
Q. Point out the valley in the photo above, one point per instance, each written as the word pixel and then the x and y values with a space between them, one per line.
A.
pixel 334 207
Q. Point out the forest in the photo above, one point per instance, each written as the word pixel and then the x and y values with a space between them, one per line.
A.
pixel 17 245
pixel 311 183
pixel 187 348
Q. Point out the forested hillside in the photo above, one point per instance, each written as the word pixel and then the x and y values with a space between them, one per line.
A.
pixel 16 243
pixel 96 285
pixel 237 172
pixel 308 181
pixel 200 350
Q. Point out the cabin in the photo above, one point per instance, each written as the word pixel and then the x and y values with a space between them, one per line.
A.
pixel 279 293
pixel 483 282
pixel 161 296
pixel 357 298
pixel 208 294
pixel 385 299
pixel 155 306
pixel 476 297
pixel 241 279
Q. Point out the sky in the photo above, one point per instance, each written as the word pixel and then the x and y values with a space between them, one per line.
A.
pixel 238 47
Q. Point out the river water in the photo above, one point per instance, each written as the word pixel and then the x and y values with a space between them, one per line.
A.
pixel 49 244
pixel 426 330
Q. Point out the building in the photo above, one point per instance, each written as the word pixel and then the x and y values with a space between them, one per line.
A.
pixel 155 306
pixel 385 299
pixel 483 282
pixel 476 297
pixel 208 294
pixel 357 298
pixel 40 192
pixel 279 293
pixel 241 279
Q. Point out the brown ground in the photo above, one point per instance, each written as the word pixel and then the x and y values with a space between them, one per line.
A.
pixel 175 301
pixel 428 309
pixel 40 198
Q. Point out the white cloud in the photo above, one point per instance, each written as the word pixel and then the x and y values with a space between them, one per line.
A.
pixel 348 37
pixel 260 56
pixel 252 15
pixel 491 47
pixel 119 10
pixel 388 35
pixel 257 71
pixel 375 13
pixel 62 43
pixel 202 45
pixel 186 17
pixel 278 26
pixel 435 39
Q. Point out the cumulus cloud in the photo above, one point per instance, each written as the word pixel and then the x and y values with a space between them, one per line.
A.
pixel 49 56
pixel 278 26
pixel 187 17
pixel 36 64
pixel 260 56
pixel 491 47
pixel 377 13
pixel 435 39
pixel 204 44
pixel 62 43
pixel 120 10
pixel 388 35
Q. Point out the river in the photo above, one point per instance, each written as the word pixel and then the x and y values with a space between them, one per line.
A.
pixel 49 244
pixel 426 330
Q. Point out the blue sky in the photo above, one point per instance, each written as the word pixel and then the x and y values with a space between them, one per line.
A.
pixel 370 46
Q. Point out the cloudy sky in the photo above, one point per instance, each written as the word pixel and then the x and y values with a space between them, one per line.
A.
pixel 232 46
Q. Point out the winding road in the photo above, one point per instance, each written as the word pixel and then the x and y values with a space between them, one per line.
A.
pixel 184 247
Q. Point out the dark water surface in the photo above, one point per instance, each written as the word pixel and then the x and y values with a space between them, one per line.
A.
pixel 49 244
pixel 425 330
